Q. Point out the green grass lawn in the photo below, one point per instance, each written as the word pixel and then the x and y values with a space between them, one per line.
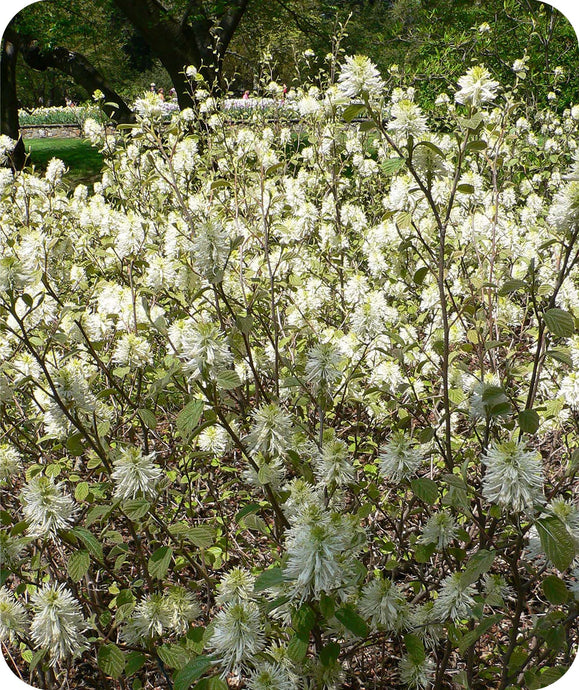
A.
pixel 83 161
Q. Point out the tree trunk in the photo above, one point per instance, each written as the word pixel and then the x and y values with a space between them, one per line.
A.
pixel 9 124
pixel 195 39
pixel 81 70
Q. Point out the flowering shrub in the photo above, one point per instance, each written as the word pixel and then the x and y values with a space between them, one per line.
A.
pixel 289 407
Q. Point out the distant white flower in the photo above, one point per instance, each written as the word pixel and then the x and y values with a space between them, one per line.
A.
pixel 7 145
pixel 514 476
pixel 10 462
pixel 476 87
pixel 360 76
pixel 271 431
pixel 323 366
pixel 132 350
pixel 46 507
pixel 455 599
pixel 238 635
pixel 383 604
pixel 484 28
pixel 440 529
pixel 13 620
pixel 416 675
pixel 93 131
pixel 134 474
pixel 269 676
pixel 235 586
pixel 333 464
pixel 400 458
pixel 57 624
pixel 520 67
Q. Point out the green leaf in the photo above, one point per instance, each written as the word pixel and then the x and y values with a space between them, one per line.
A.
pixel 202 536
pixel 147 417
pixel 78 565
pixel 135 661
pixel 415 648
pixel 329 653
pixel 111 660
pixel 433 147
pixel 425 489
pixel 136 508
pixel 423 552
pixel 529 421
pixel 228 380
pixel 352 111
pixel 559 322
pixel 478 564
pixel 555 590
pixel 355 623
pixel 476 145
pixel 557 543
pixel 190 672
pixel 470 637
pixel 298 647
pixel 90 541
pixel 465 189
pixel 189 417
pixel 81 491
pixel 304 619
pixel 392 165
pixel 159 562
pixel 512 285
pixel 420 275
pixel 269 578
pixel 173 655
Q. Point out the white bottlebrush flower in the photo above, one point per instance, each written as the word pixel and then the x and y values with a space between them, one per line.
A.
pixel 57 624
pixel 235 586
pixel 383 605
pixel 416 675
pixel 323 366
pixel 514 476
pixel 214 439
pixel 423 623
pixel 10 462
pixel 54 171
pixel 204 350
pixel 316 546
pixel 440 529
pixel 407 119
pixel 182 608
pixel 150 618
pixel 13 620
pixel 496 589
pixel 238 635
pixel 135 474
pixel 302 496
pixel 210 248
pixel 569 390
pixel 360 76
pixel 333 464
pixel 476 87
pixel 269 676
pixel 400 458
pixel 455 599
pixel 271 431
pixel 10 549
pixel 270 470
pixel 132 350
pixel 46 507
